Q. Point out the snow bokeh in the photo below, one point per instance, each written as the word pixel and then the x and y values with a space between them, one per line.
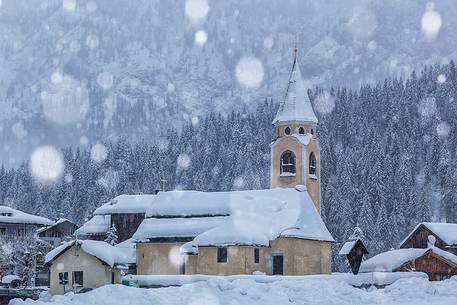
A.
pixel 196 10
pixel 268 42
pixel 249 72
pixel 46 164
pixel 427 107
pixel 92 41
pixel 201 37
pixel 83 140
pixel 431 22
pixel 98 152
pixel 174 256
pixel 441 79
pixel 105 80
pixel 64 99
pixel 324 103
pixel 69 5
pixel 443 129
pixel 19 131
pixel 183 161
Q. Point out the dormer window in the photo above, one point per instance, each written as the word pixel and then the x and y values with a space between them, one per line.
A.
pixel 287 163
pixel 6 214
pixel 301 130
pixel 287 131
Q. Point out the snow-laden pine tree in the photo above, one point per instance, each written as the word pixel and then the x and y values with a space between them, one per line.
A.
pixel 111 236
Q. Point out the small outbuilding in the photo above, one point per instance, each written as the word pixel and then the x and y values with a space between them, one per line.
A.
pixel 445 235
pixel 88 264
pixel 354 250
pixel 433 261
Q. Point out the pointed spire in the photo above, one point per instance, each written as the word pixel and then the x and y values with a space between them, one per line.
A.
pixel 296 106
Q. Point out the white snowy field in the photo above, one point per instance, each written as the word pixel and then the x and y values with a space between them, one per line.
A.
pixel 219 291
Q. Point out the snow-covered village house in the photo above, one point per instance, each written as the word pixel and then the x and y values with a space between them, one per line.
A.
pixel 80 264
pixel 275 231
pixel 429 248
pixel 15 223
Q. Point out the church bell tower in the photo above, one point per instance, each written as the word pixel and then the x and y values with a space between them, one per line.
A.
pixel 295 153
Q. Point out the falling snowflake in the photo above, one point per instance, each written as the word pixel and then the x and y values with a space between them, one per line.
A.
pixel 174 256
pixel 201 37
pixel 183 161
pixel 69 5
pixel 431 22
pixel 441 78
pixel 238 182
pixel 92 41
pixel 83 140
pixel 324 103
pixel 56 77
pixel 98 153
pixel 46 164
pixel 195 120
pixel 105 80
pixel 163 144
pixel 18 130
pixel 372 45
pixel 443 129
pixel 196 10
pixel 249 72
pixel 427 107
pixel 268 42
pixel 68 178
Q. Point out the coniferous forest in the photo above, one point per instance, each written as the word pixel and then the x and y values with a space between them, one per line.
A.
pixel 388 154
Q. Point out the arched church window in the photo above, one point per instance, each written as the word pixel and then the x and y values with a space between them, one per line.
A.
pixel 312 164
pixel 287 130
pixel 287 162
pixel 301 130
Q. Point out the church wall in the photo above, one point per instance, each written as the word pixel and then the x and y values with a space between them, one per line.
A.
pixel 283 144
pixel 302 257
pixel 313 185
pixel 158 258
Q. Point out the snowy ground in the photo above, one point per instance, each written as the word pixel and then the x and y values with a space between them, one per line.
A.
pixel 219 291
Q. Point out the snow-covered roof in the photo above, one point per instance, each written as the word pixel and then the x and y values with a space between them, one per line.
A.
pixel 390 260
pixel 176 227
pixel 10 215
pixel 134 204
pixel 58 222
pixel 98 224
pixel 111 255
pixel 447 232
pixel 347 247
pixel 255 217
pixel 296 106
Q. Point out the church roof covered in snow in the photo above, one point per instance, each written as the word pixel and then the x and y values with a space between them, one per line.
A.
pixel 10 215
pixel 296 106
pixel 98 224
pixel 253 217
pixel 110 255
pixel 127 204
pixel 390 260
pixel 447 232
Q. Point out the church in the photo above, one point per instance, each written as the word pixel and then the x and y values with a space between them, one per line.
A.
pixel 277 231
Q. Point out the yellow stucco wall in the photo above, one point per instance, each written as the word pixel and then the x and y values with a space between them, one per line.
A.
pixel 285 143
pixel 95 273
pixel 158 258
pixel 300 257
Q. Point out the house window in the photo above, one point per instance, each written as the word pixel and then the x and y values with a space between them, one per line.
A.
pixel 312 131
pixel 312 164
pixel 222 255
pixel 288 162
pixel 78 278
pixel 256 255
pixel 301 130
pixel 2 231
pixel 287 130
pixel 63 278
